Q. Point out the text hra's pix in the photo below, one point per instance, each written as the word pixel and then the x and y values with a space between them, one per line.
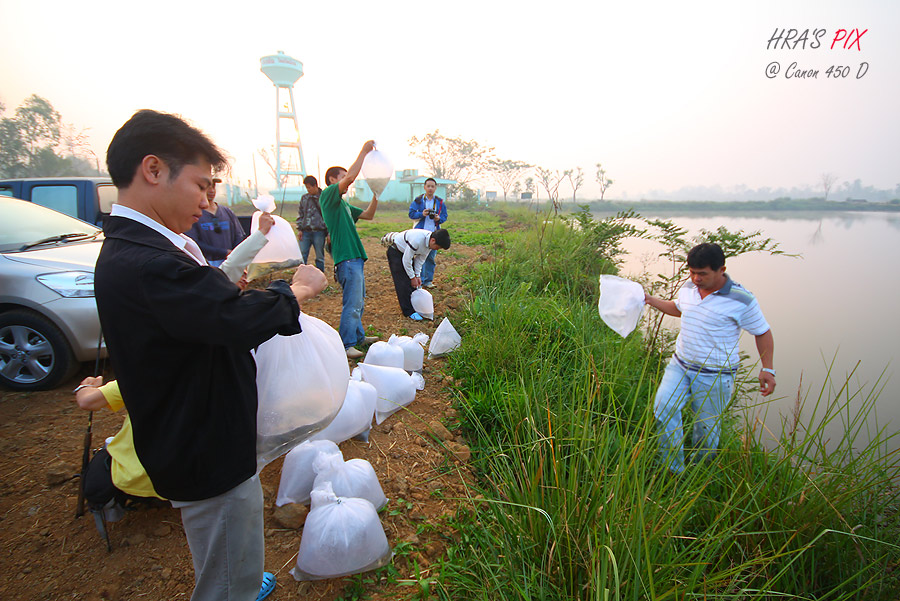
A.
pixel 814 39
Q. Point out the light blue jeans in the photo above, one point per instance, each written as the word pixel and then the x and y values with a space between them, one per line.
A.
pixel 316 239
pixel 428 268
pixel 349 275
pixel 709 394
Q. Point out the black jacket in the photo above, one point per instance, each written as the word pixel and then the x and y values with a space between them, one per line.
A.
pixel 179 337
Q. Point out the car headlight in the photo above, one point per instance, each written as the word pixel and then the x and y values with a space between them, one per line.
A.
pixel 71 284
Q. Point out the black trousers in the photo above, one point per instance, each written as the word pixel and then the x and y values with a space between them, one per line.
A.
pixel 401 281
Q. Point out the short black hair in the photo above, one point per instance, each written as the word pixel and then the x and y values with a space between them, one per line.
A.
pixel 332 172
pixel 167 136
pixel 707 254
pixel 311 181
pixel 442 237
pixel 430 179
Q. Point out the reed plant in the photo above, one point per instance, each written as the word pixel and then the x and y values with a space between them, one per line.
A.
pixel 573 503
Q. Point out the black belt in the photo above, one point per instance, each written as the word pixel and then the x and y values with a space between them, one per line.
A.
pixel 704 370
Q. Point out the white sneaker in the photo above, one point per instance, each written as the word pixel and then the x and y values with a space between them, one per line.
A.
pixel 354 353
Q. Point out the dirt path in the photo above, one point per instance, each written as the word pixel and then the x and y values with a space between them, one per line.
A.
pixel 47 554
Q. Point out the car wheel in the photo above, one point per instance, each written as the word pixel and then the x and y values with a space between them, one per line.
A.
pixel 34 354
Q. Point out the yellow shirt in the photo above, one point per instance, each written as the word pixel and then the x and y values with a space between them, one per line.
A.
pixel 128 474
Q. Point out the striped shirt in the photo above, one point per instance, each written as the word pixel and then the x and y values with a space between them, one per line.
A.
pixel 711 327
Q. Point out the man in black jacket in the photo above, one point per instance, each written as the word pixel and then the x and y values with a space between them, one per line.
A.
pixel 179 334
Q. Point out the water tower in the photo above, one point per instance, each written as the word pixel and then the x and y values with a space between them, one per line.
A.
pixel 284 71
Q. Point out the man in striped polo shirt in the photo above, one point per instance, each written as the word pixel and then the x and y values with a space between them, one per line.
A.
pixel 713 311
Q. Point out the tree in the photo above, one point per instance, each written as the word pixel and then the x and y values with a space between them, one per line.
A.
pixel 507 173
pixel 576 180
pixel 604 181
pixel 828 180
pixel 551 180
pixel 464 161
pixel 517 189
pixel 35 142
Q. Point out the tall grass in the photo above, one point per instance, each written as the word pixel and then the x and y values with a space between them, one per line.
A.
pixel 575 506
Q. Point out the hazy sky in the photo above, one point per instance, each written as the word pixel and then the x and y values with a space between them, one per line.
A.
pixel 664 94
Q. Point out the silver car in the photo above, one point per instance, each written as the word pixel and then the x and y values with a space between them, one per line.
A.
pixel 48 316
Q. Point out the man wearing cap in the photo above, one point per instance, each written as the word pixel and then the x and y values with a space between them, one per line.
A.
pixel 714 310
pixel 218 230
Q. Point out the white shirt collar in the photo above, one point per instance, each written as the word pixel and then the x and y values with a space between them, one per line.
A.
pixel 181 242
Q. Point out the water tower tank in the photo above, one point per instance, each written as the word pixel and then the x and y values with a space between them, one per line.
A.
pixel 281 69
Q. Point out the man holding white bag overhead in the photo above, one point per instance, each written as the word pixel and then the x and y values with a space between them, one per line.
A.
pixel 406 254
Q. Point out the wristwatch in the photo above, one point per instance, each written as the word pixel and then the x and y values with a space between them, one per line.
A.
pixel 769 370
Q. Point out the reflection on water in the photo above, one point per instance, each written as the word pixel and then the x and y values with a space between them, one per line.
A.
pixel 830 309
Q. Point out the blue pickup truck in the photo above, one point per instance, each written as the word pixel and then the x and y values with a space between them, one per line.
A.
pixel 87 198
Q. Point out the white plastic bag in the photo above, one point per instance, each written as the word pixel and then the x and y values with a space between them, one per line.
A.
pixel 355 417
pixel 377 171
pixel 382 353
pixel 264 203
pixel 444 340
pixel 301 382
pixel 297 473
pixel 422 302
pixel 354 478
pixel 621 303
pixel 418 380
pixel 342 536
pixel 413 350
pixel 282 245
pixel 395 388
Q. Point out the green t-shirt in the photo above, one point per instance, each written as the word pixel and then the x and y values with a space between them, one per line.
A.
pixel 340 218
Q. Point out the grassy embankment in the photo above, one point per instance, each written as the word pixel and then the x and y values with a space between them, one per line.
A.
pixel 557 409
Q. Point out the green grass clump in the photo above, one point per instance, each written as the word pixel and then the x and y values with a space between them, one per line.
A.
pixel 558 411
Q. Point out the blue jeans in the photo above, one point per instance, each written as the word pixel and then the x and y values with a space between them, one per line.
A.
pixel 428 268
pixel 316 239
pixel 349 275
pixel 709 394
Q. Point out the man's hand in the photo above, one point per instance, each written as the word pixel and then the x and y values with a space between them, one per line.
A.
pixel 307 282
pixel 299 235
pixel 416 282
pixel 425 212
pixel 266 222
pixel 766 383
pixel 91 399
pixel 368 147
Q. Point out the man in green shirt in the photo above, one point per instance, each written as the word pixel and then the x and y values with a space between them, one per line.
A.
pixel 347 249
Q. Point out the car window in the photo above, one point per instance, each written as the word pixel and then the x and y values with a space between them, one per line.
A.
pixel 25 222
pixel 108 195
pixel 62 198
pixel 6 191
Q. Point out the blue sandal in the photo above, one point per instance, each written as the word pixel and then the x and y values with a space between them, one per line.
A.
pixel 268 585
pixel 415 317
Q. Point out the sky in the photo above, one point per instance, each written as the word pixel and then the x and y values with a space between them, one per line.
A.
pixel 664 94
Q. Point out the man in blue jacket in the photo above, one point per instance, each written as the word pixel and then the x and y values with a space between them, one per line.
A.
pixel 429 212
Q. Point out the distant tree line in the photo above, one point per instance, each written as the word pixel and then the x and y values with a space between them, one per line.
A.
pixel 34 142
pixel 826 189
pixel 468 162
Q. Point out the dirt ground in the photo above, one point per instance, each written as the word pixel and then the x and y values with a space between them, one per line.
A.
pixel 48 554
